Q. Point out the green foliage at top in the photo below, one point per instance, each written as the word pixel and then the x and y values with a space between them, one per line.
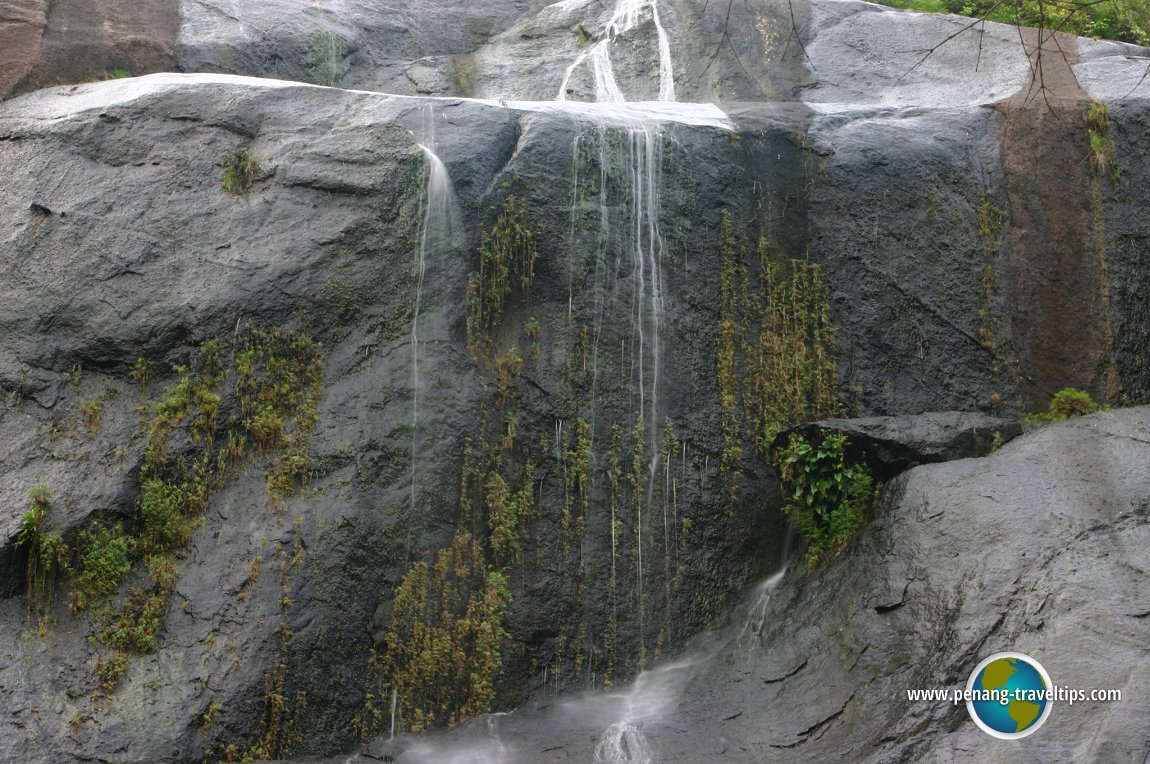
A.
pixel 240 172
pixel 507 257
pixel 827 497
pixel 1123 20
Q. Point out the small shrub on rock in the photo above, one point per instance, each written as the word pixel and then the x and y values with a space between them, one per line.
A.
pixel 827 497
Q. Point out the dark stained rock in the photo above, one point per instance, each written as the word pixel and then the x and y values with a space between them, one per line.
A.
pixel 66 41
pixel 893 444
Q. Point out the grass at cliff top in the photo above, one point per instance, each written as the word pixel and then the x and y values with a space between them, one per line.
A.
pixel 1122 20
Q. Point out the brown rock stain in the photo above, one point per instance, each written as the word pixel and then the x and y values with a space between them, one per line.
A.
pixel 56 42
pixel 1054 275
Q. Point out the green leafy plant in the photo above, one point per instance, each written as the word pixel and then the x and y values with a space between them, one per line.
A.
pixel 141 373
pixel 240 172
pixel 827 496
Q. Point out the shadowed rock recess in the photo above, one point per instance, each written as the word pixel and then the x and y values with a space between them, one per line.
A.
pixel 369 370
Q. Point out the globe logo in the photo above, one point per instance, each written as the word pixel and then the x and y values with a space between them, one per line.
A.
pixel 1009 695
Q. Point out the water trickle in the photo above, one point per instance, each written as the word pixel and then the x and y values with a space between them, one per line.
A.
pixel 628 15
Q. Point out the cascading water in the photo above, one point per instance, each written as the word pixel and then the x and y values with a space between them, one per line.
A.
pixel 618 157
pixel 628 15
pixel 436 234
pixel 643 246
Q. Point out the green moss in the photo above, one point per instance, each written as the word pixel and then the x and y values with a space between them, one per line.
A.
pixel 279 737
pixel 776 349
pixel 110 670
pixel 507 511
pixel 275 381
pixel 103 563
pixel 990 221
pixel 240 172
pixel 730 329
pixel 507 257
pixel 325 58
pixel 443 644
pixel 531 329
pixel 92 415
pixel 1068 403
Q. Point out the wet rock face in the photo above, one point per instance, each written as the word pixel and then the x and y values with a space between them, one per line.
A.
pixel 143 218
pixel 285 597
pixel 1039 548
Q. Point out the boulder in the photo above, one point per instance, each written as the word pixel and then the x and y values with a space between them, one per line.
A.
pixel 893 444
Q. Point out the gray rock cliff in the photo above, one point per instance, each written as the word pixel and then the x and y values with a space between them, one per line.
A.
pixel 591 416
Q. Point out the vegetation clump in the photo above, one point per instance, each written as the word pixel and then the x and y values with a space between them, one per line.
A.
pixel 240 172
pixel 48 554
pixel 104 561
pixel 776 348
pixel 827 496
pixel 442 652
pixel 1103 156
pixel 326 58
pixel 192 445
pixel 990 222
pixel 507 257
pixel 443 646
pixel 1067 403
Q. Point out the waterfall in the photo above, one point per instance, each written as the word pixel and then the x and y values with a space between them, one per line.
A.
pixel 435 236
pixel 645 245
pixel 628 15
pixel 627 721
